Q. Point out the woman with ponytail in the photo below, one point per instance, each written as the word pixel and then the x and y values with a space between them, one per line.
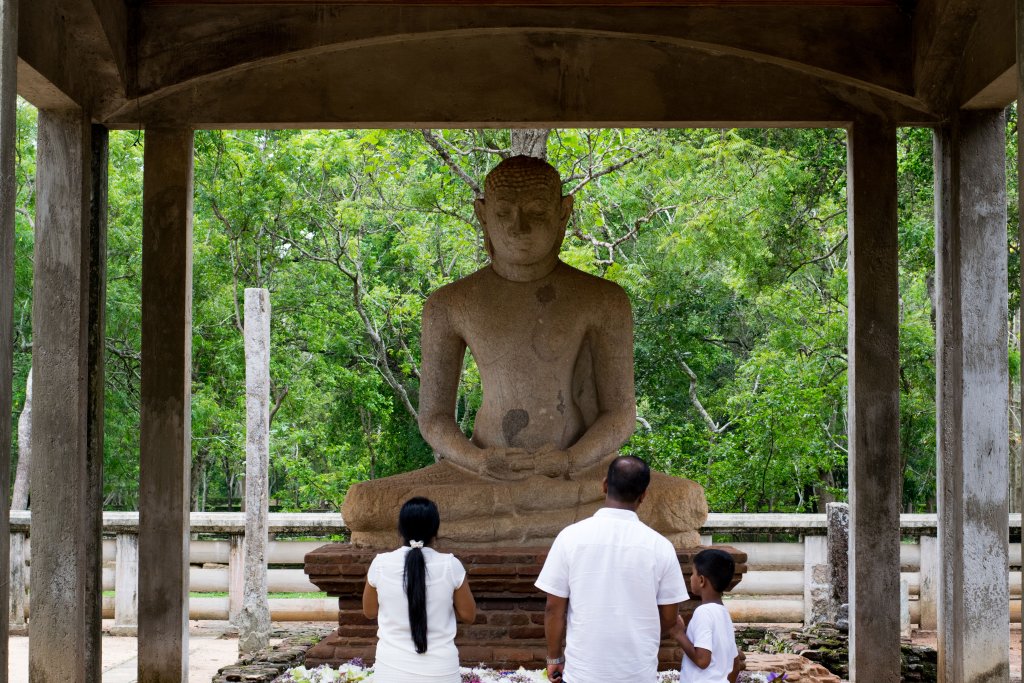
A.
pixel 416 594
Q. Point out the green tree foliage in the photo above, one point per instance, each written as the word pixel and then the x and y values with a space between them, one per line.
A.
pixel 731 243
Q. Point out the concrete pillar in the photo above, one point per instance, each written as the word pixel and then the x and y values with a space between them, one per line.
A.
pixel 817 589
pixel 929 590
pixel 126 585
pixel 971 365
pixel 254 619
pixel 67 454
pixel 1020 217
pixel 873 377
pixel 8 136
pixel 165 445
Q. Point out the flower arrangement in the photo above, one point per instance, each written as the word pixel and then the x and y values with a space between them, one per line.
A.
pixel 356 671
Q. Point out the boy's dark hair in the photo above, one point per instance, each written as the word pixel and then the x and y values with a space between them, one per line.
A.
pixel 717 566
pixel 418 520
pixel 628 477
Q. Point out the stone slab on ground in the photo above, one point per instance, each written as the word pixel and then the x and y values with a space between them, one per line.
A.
pixel 797 669
pixel 268 663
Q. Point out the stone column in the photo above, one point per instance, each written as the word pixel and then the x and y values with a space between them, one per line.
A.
pixel 67 455
pixel 8 135
pixel 254 619
pixel 971 365
pixel 873 376
pixel 817 590
pixel 126 585
pixel 838 521
pixel 166 450
pixel 929 586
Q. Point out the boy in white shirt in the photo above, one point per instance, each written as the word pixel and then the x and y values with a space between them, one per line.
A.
pixel 709 642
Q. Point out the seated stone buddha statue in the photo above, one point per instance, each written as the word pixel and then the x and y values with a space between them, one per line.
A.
pixel 554 348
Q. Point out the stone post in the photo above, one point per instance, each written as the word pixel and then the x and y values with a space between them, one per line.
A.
pixel 166 429
pixel 928 596
pixel 8 140
pixel 817 589
pixel 838 520
pixel 236 575
pixel 874 413
pixel 18 587
pixel 126 585
pixel 254 619
pixel 67 458
pixel 972 396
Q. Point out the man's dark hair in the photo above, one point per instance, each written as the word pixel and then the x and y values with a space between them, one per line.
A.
pixel 717 566
pixel 628 477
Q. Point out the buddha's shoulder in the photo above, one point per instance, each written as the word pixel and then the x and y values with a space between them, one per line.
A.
pixel 464 286
pixel 595 287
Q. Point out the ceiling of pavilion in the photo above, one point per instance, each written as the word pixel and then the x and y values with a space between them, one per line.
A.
pixel 223 63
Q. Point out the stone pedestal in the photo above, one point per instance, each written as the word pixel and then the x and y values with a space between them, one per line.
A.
pixel 509 628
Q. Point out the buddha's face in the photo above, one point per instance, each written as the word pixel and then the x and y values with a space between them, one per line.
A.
pixel 523 222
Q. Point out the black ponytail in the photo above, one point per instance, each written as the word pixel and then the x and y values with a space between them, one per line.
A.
pixel 418 522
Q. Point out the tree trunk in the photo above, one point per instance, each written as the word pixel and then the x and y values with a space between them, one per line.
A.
pixel 19 496
pixel 531 142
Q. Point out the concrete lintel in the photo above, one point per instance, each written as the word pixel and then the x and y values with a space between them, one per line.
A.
pixel 543 77
pixel 874 455
pixel 972 389
pixel 165 445
pixel 178 44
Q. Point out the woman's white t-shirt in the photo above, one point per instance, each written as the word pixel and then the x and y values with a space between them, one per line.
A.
pixel 394 638
pixel 710 628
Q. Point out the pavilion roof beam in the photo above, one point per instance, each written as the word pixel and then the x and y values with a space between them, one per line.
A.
pixel 988 77
pixel 942 32
pixel 537 78
pixel 65 54
pixel 868 47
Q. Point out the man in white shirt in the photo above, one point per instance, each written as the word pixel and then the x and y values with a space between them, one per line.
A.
pixel 614 586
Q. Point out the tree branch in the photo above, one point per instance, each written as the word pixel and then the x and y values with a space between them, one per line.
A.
pixel 433 141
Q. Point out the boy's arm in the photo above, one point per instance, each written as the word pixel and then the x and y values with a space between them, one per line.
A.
pixel 697 655
pixel 738 665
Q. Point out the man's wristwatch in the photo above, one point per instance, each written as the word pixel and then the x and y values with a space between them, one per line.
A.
pixel 556 660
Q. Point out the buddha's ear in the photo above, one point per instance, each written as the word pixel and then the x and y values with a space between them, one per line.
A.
pixel 565 209
pixel 481 213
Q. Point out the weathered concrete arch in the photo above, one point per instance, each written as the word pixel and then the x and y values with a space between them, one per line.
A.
pixel 554 77
pixel 853 45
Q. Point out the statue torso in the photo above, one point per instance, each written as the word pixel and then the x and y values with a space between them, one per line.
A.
pixel 530 343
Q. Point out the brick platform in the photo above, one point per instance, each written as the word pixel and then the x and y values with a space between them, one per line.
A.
pixel 509 628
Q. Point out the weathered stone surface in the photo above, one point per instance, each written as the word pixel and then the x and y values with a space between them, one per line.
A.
pixel 554 347
pixel 798 669
pixel 253 620
pixel 838 520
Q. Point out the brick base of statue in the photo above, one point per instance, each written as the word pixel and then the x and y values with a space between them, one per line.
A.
pixel 509 628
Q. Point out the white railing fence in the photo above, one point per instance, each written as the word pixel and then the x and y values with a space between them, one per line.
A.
pixel 774 590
